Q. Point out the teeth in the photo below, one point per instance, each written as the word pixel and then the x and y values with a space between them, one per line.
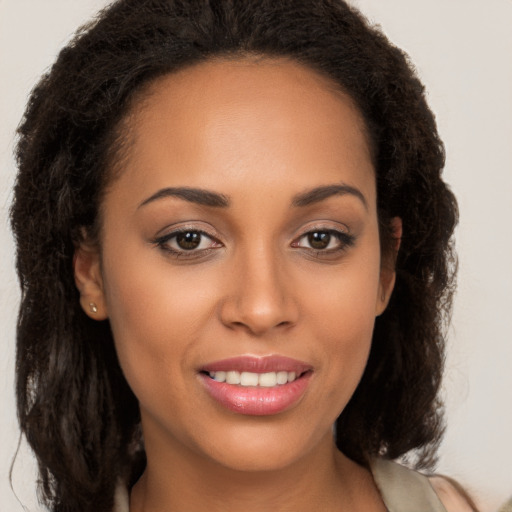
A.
pixel 233 377
pixel 267 380
pixel 282 377
pixel 249 379
pixel 219 376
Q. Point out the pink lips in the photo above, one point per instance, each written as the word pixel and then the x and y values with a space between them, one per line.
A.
pixel 255 400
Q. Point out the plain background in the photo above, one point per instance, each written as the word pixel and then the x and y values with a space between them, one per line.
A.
pixel 463 52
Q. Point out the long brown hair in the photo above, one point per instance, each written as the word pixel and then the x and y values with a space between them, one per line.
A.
pixel 74 405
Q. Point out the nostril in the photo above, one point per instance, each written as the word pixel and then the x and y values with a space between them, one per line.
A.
pixel 254 310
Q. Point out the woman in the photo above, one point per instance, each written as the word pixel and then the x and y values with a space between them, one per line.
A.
pixel 232 234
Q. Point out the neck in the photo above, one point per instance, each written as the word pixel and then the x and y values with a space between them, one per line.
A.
pixel 322 480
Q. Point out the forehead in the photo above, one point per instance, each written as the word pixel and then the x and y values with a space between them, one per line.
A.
pixel 260 120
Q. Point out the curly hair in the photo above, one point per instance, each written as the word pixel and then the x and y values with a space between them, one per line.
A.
pixel 74 405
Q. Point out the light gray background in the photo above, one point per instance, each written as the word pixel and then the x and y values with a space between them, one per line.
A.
pixel 463 52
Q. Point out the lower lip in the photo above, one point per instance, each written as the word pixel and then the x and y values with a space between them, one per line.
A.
pixel 257 401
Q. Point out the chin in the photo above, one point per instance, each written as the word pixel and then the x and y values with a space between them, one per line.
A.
pixel 265 448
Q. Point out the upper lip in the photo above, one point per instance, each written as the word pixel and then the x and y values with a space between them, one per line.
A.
pixel 258 364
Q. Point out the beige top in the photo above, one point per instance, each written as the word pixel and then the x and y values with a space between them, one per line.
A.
pixel 402 490
pixel 506 507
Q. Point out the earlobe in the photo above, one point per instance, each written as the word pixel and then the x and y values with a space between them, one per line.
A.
pixel 89 281
pixel 388 271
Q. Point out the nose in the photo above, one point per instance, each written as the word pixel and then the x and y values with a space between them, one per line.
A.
pixel 259 297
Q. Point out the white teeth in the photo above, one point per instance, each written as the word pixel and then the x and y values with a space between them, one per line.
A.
pixel 267 380
pixel 282 377
pixel 248 379
pixel 219 376
pixel 233 377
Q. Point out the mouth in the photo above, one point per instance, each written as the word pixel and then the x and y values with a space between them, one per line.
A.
pixel 256 386
pixel 266 380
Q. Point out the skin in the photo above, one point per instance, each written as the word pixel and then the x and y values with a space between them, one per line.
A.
pixel 260 132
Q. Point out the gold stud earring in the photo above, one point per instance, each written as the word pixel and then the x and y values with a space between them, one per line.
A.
pixel 92 307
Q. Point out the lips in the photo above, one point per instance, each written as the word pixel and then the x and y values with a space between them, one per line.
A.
pixel 256 386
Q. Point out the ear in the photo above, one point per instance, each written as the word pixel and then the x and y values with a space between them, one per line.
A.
pixel 89 280
pixel 387 268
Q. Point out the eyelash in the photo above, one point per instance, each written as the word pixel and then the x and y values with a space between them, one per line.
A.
pixel 345 241
pixel 163 243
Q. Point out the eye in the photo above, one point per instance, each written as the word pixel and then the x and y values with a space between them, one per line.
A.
pixel 187 242
pixel 320 240
pixel 190 240
pixel 324 240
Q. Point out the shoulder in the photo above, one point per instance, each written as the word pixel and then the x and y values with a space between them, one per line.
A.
pixel 400 486
pixel 452 494
pixel 121 498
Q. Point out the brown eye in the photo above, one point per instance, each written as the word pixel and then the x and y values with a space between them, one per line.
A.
pixel 325 241
pixel 187 243
pixel 319 239
pixel 188 240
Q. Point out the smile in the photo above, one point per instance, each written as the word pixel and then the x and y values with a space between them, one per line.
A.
pixel 267 380
pixel 256 386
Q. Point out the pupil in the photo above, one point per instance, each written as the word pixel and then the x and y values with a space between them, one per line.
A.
pixel 188 240
pixel 319 239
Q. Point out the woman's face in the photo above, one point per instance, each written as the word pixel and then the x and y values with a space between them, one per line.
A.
pixel 240 242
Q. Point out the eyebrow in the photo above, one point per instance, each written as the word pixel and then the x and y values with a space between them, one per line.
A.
pixel 318 194
pixel 216 200
pixel 192 195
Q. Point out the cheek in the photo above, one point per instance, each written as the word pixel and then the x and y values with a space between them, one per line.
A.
pixel 156 315
pixel 344 297
pixel 342 309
